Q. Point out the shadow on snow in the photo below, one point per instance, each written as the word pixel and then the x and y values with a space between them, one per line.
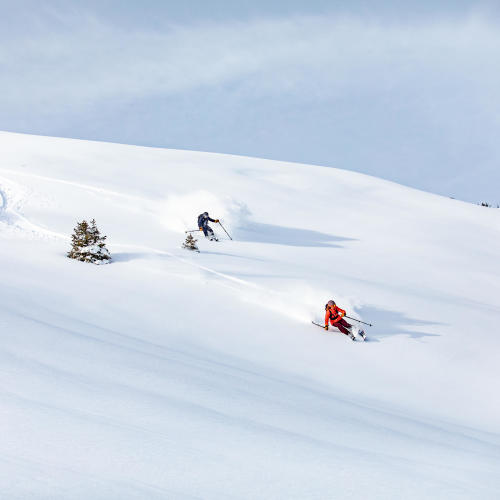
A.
pixel 128 256
pixel 389 323
pixel 280 235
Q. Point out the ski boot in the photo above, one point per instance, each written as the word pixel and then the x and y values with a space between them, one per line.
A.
pixel 351 336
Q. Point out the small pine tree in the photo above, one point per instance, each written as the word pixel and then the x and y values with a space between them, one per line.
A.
pixel 87 244
pixel 190 243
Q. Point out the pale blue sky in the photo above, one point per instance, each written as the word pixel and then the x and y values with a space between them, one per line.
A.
pixel 408 91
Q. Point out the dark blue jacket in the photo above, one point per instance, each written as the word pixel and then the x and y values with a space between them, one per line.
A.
pixel 203 220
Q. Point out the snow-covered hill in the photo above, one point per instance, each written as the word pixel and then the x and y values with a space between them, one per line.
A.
pixel 169 374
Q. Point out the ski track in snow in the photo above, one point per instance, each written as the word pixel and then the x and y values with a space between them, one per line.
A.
pixel 265 297
pixel 79 185
pixel 23 223
pixel 17 221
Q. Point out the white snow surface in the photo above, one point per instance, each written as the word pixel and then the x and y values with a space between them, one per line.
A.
pixel 170 374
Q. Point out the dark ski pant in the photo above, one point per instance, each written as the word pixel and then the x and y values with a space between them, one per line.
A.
pixel 208 232
pixel 342 325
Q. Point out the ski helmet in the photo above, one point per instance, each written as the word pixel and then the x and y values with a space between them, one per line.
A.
pixel 331 303
pixel 205 213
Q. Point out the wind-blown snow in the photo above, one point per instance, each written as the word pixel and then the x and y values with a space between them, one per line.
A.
pixel 170 374
pixel 178 209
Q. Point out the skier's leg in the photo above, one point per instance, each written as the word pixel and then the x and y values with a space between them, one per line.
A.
pixel 211 234
pixel 345 324
pixel 205 231
pixel 341 327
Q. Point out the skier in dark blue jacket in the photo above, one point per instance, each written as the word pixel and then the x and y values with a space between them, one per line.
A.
pixel 203 220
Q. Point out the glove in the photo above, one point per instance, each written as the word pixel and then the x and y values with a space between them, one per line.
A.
pixel 216 220
pixel 326 327
pixel 201 229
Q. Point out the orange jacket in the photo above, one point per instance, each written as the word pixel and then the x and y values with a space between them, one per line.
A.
pixel 333 314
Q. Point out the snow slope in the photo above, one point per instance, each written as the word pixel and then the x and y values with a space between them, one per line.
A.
pixel 169 374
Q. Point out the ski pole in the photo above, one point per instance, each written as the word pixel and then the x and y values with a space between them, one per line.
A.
pixel 359 321
pixel 192 231
pixel 317 324
pixel 225 230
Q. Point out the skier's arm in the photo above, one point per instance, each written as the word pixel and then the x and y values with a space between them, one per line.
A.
pixel 341 312
pixel 327 317
pixel 213 220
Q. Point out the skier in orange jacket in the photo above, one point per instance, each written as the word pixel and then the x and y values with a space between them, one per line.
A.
pixel 335 316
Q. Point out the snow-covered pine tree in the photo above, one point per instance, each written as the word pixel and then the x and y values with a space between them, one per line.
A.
pixel 88 244
pixel 190 243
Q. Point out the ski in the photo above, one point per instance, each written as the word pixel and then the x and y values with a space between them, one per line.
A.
pixel 351 336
